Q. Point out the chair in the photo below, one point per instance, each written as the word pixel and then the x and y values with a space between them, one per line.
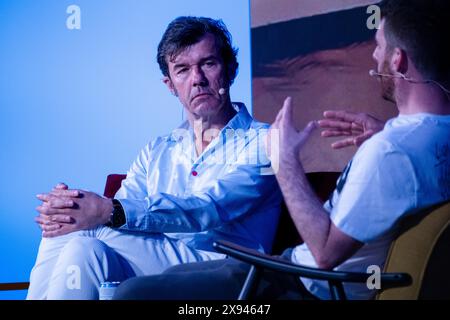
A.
pixel 286 234
pixel 420 253
pixel 113 182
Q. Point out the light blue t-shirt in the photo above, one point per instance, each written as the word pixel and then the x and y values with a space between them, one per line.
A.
pixel 397 172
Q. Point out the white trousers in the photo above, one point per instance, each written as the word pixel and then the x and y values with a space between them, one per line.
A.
pixel 73 266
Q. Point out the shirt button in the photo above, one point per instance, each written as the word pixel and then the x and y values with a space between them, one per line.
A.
pixel 194 173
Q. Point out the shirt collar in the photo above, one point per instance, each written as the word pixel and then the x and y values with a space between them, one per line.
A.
pixel 241 120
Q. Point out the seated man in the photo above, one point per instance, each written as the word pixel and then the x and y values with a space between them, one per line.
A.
pixel 209 179
pixel 395 173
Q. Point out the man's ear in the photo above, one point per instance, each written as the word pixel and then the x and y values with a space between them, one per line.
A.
pixel 231 70
pixel 399 61
pixel 168 82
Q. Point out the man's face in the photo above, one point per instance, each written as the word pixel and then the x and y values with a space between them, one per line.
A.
pixel 196 75
pixel 382 55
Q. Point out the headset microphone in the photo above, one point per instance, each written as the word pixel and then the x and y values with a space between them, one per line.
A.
pixel 222 91
pixel 373 73
pixel 399 75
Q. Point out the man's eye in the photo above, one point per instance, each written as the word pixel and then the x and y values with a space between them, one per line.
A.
pixel 210 63
pixel 182 70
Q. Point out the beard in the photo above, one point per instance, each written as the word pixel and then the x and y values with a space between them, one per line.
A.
pixel 387 84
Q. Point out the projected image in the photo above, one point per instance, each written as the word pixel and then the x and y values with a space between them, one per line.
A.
pixel 320 54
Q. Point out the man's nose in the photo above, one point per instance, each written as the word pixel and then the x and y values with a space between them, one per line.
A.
pixel 375 54
pixel 198 77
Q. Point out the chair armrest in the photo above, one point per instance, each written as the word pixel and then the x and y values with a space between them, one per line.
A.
pixel 261 260
pixel 9 286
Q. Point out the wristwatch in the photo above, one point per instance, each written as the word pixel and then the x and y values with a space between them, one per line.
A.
pixel 117 217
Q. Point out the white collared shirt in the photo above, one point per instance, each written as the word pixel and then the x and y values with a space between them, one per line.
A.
pixel 228 192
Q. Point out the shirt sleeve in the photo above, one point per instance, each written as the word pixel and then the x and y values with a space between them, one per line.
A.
pixel 379 189
pixel 239 191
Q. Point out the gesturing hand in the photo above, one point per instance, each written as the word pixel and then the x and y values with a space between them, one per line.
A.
pixel 290 139
pixel 356 127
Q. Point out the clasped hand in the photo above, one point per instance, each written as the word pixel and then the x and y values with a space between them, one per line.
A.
pixel 65 210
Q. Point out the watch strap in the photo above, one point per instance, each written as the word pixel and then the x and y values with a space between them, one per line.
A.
pixel 117 217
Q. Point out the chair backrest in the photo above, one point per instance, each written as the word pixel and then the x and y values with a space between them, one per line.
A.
pixel 422 250
pixel 113 183
pixel 287 235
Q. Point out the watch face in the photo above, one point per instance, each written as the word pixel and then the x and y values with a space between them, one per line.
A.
pixel 118 216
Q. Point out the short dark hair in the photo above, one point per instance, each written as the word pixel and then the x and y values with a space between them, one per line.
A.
pixel 186 31
pixel 420 28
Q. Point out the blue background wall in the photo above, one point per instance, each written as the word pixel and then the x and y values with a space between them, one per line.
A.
pixel 76 105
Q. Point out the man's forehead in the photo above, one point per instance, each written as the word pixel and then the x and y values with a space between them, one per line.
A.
pixel 205 47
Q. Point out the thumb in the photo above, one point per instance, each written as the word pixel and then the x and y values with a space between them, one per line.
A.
pixel 306 133
pixel 310 127
pixel 288 111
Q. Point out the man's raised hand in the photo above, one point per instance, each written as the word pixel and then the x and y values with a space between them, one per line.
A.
pixel 355 128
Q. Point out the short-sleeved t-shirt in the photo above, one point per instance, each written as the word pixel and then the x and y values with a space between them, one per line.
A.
pixel 397 172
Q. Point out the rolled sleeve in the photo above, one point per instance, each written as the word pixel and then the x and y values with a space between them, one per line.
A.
pixel 227 199
pixel 232 191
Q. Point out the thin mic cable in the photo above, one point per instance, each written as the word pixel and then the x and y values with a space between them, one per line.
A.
pixel 373 73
